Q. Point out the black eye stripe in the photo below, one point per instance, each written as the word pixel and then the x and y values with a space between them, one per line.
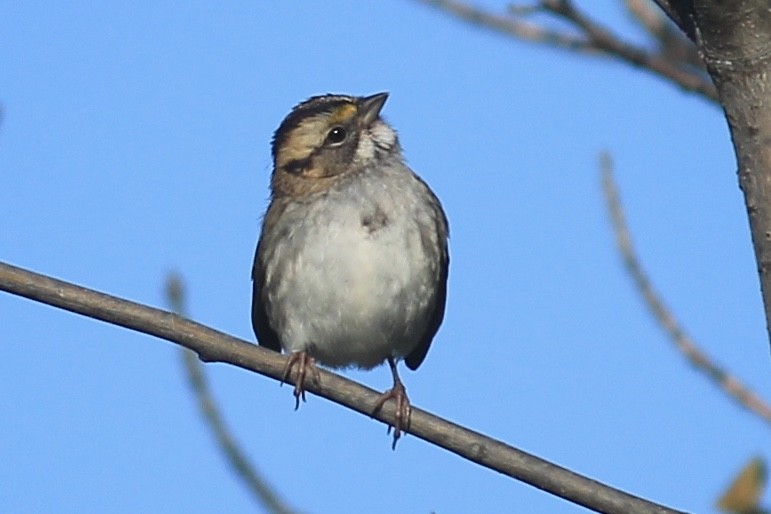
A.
pixel 307 109
pixel 297 166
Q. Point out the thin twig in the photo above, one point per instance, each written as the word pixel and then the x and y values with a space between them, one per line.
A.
pixel 214 346
pixel 255 483
pixel 726 382
pixel 673 44
pixel 511 26
pixel 647 17
pixel 679 11
pixel 593 39
pixel 604 40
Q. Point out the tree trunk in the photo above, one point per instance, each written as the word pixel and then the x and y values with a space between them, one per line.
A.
pixel 734 38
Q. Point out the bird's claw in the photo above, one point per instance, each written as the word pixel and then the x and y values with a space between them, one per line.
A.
pixel 402 412
pixel 305 365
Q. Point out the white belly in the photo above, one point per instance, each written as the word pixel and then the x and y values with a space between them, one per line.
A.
pixel 350 295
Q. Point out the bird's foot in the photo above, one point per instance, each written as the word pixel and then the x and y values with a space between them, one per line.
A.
pixel 403 409
pixel 305 365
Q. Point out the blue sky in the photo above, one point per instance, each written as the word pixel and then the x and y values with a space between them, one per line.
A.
pixel 135 141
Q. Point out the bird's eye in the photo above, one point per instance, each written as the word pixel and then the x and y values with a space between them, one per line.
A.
pixel 337 135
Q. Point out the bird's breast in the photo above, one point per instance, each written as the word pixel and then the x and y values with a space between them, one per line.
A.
pixel 352 281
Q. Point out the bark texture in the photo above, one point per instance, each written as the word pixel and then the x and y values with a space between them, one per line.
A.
pixel 734 38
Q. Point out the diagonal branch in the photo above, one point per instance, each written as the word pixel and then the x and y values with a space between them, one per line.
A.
pixel 511 26
pixel 673 44
pixel 255 483
pixel 729 384
pixel 734 39
pixel 214 346
pixel 592 38
pixel 244 469
pixel 679 11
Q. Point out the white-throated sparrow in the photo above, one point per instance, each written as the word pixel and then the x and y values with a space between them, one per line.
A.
pixel 351 266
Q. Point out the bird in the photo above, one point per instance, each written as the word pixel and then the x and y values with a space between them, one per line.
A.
pixel 352 261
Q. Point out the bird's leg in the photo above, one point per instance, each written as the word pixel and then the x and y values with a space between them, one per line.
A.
pixel 305 364
pixel 403 408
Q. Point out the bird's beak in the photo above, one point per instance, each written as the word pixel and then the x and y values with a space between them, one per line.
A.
pixel 370 107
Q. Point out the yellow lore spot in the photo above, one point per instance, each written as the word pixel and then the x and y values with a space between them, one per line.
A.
pixel 343 114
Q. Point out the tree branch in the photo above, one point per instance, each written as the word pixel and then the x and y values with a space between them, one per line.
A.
pixel 680 12
pixel 214 346
pixel 511 26
pixel 242 466
pixel 702 362
pixel 673 44
pixel 592 38
pixel 734 39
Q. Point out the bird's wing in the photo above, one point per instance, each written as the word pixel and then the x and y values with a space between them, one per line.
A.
pixel 415 358
pixel 266 336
